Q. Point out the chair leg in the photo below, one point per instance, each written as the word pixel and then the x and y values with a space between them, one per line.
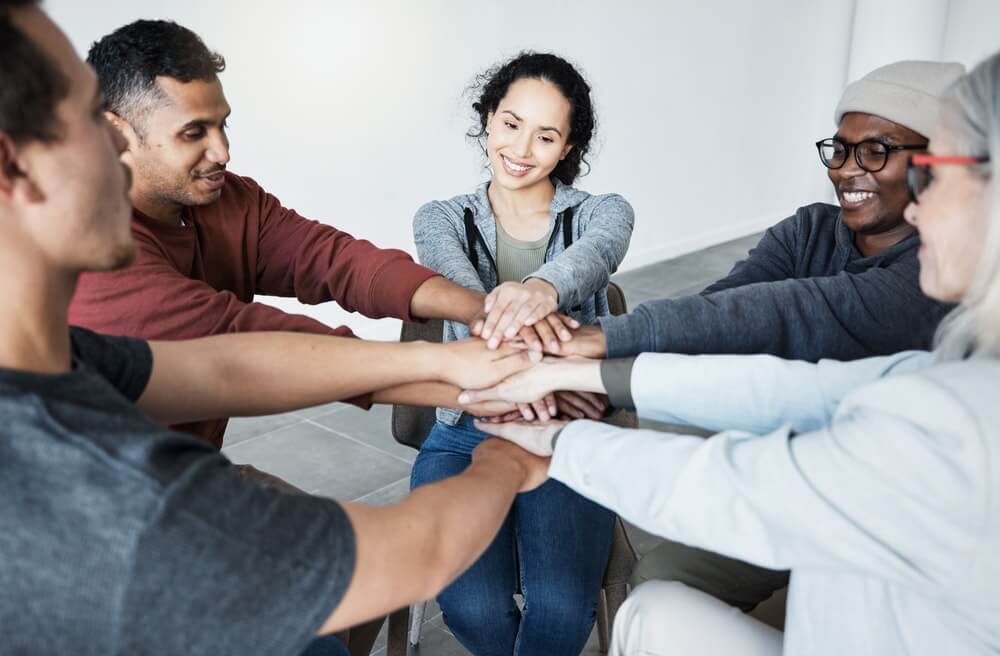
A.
pixel 416 622
pixel 362 637
pixel 611 599
pixel 396 637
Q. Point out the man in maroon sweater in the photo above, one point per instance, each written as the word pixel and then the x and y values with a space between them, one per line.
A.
pixel 209 240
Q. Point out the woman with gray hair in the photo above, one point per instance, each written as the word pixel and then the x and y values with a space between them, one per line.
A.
pixel 876 482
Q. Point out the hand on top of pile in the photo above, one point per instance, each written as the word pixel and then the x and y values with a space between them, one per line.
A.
pixel 526 311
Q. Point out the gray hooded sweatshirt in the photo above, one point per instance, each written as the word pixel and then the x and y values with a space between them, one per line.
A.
pixel 602 229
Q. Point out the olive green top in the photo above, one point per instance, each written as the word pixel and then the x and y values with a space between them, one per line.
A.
pixel 516 259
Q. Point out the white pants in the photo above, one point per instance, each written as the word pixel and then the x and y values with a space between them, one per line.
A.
pixel 661 618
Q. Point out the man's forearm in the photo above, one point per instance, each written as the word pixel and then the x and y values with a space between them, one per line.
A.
pixel 264 373
pixel 439 298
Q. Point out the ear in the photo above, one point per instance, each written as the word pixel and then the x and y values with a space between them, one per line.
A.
pixel 123 126
pixel 15 183
pixel 489 122
pixel 565 152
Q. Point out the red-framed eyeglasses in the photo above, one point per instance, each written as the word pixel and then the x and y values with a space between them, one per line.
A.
pixel 918 169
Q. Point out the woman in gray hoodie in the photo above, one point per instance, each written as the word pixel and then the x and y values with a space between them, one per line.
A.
pixel 542 252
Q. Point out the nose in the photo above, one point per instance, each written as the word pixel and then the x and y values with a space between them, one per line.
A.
pixel 218 150
pixel 851 169
pixel 523 144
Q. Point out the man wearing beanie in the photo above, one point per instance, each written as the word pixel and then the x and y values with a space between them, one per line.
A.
pixel 830 281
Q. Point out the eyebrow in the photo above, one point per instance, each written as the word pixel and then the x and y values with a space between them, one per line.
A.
pixel 882 136
pixel 544 128
pixel 203 122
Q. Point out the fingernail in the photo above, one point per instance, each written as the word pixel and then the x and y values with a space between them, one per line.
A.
pixel 463 398
pixel 494 342
pixel 510 332
pixel 553 410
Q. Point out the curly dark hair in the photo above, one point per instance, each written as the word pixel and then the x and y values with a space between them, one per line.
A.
pixel 491 86
pixel 31 83
pixel 129 60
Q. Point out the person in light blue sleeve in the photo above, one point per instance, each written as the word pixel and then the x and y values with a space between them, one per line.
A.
pixel 875 481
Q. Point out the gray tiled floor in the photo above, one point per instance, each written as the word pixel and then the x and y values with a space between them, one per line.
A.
pixel 342 452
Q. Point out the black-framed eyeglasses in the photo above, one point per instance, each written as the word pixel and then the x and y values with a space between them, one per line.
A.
pixel 918 169
pixel 871 154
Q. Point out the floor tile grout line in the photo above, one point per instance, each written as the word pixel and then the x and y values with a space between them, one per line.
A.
pixel 298 413
pixel 357 441
pixel 364 496
pixel 257 437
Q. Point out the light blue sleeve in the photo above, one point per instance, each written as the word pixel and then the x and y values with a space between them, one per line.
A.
pixel 754 393
pixel 852 496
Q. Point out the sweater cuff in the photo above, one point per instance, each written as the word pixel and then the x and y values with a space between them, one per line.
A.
pixel 616 375
pixel 624 335
pixel 394 287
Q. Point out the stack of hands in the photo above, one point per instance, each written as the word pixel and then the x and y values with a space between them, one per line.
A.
pixel 556 383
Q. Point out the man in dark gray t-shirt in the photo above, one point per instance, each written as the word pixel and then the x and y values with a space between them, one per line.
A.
pixel 113 539
pixel 110 520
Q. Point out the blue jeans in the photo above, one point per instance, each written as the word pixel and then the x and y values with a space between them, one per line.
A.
pixel 326 646
pixel 553 548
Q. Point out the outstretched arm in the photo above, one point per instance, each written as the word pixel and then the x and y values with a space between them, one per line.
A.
pixel 265 373
pixel 410 551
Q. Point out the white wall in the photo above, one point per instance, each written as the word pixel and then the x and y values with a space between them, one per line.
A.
pixel 352 111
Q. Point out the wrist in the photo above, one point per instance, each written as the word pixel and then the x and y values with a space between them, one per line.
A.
pixel 429 360
pixel 581 375
pixel 469 305
pixel 543 286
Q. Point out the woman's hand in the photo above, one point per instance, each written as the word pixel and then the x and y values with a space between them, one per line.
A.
pixel 531 385
pixel 582 405
pixel 548 334
pixel 526 387
pixel 533 438
pixel 468 363
pixel 513 305
pixel 537 411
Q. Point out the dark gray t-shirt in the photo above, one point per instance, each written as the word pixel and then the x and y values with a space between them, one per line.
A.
pixel 121 537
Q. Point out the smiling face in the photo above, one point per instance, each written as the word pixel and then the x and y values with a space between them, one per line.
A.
pixel 179 153
pixel 873 203
pixel 527 135
pixel 953 217
pixel 73 204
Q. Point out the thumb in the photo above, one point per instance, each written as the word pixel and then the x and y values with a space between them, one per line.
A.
pixel 490 299
pixel 476 396
pixel 519 362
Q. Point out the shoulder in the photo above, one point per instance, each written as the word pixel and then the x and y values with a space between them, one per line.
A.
pixel 948 402
pixel 243 192
pixel 810 217
pixel 451 210
pixel 588 206
pixel 241 185
pixel 124 362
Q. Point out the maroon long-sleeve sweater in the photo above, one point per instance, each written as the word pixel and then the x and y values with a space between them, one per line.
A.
pixel 200 279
